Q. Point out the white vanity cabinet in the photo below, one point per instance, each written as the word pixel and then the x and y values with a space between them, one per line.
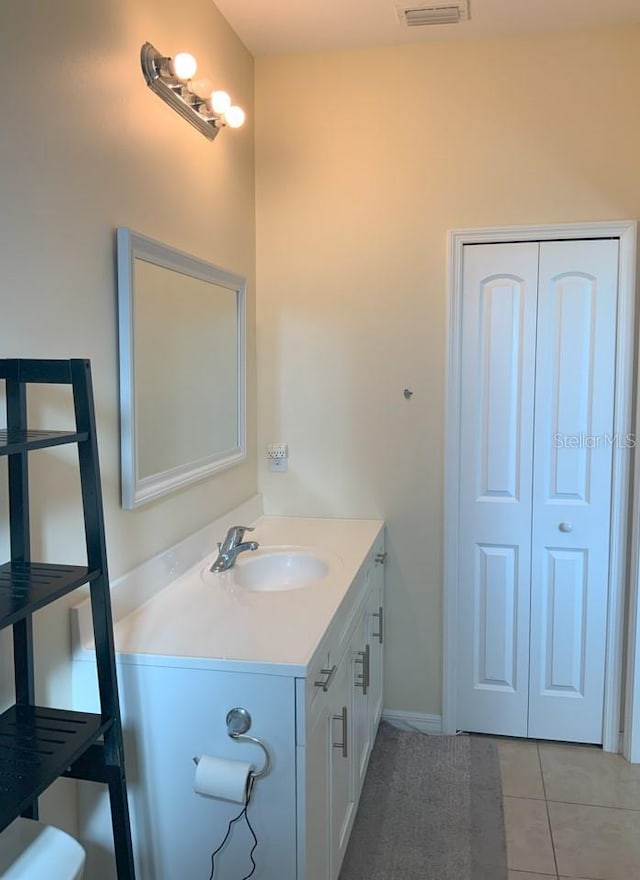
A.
pixel 375 620
pixel 339 707
pixel 307 665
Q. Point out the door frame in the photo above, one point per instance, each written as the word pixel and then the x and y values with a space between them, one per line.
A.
pixel 626 231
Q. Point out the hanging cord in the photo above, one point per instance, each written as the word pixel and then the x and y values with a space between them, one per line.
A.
pixel 241 814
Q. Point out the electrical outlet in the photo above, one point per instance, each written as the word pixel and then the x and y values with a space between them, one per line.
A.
pixel 278 457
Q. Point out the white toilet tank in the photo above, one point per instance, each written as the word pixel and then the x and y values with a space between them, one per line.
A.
pixel 29 849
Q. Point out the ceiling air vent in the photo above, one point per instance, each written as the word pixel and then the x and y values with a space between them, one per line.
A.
pixel 441 13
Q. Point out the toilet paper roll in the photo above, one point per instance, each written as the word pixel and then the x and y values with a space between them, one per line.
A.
pixel 223 778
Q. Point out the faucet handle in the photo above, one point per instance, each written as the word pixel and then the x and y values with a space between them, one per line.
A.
pixel 240 530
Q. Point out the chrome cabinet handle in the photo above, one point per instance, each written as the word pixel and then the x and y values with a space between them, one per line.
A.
pixel 364 681
pixel 325 685
pixel 381 558
pixel 367 657
pixel 565 527
pixel 345 733
pixel 380 615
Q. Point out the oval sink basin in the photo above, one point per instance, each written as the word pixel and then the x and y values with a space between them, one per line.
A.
pixel 279 568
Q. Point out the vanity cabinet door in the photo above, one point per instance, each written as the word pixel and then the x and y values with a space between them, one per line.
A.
pixel 360 650
pixel 317 760
pixel 375 615
pixel 342 798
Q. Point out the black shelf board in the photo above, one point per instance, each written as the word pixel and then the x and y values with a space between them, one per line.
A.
pixel 27 586
pixel 23 441
pixel 37 370
pixel 37 745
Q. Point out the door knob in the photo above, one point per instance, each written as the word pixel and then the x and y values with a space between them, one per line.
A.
pixel 565 527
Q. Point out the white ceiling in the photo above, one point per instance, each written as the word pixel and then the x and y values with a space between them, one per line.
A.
pixel 271 27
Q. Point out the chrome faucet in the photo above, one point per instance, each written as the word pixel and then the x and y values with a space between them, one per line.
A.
pixel 231 546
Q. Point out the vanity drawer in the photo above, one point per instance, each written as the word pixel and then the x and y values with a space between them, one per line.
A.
pixel 310 697
pixel 320 675
pixel 347 616
pixel 378 554
pixel 313 692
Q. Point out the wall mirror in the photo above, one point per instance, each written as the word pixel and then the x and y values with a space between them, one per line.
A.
pixel 182 368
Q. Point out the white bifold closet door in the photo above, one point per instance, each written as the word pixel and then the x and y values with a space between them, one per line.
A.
pixel 538 373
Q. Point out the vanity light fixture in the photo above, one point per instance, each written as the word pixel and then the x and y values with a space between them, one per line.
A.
pixel 171 79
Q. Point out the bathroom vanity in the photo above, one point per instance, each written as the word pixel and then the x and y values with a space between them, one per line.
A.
pixel 305 661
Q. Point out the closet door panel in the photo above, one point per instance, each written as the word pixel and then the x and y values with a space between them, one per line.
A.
pixel 563 595
pixel 573 444
pixel 498 350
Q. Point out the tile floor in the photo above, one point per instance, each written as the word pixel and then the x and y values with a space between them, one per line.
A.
pixel 571 812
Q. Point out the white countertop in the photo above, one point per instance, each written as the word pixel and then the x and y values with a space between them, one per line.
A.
pixel 208 618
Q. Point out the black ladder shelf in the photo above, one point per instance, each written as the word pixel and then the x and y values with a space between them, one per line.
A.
pixel 39 744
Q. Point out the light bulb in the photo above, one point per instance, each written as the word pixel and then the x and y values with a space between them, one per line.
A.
pixel 234 117
pixel 201 86
pixel 184 65
pixel 220 102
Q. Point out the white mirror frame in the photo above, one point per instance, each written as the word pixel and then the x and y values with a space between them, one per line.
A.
pixel 135 490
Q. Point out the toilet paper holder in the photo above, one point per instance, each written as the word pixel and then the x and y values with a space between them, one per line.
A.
pixel 238 722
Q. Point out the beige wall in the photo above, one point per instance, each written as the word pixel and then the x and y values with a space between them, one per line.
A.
pixel 85 147
pixel 364 160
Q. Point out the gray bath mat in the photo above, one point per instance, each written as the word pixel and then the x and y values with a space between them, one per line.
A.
pixel 431 809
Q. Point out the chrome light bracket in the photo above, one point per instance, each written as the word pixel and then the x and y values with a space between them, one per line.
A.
pixel 176 93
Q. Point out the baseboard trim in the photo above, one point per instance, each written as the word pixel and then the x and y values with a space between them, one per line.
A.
pixel 413 721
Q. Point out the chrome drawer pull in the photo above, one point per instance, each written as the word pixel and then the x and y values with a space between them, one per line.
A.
pixel 364 681
pixel 380 615
pixel 345 733
pixel 327 682
pixel 367 665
